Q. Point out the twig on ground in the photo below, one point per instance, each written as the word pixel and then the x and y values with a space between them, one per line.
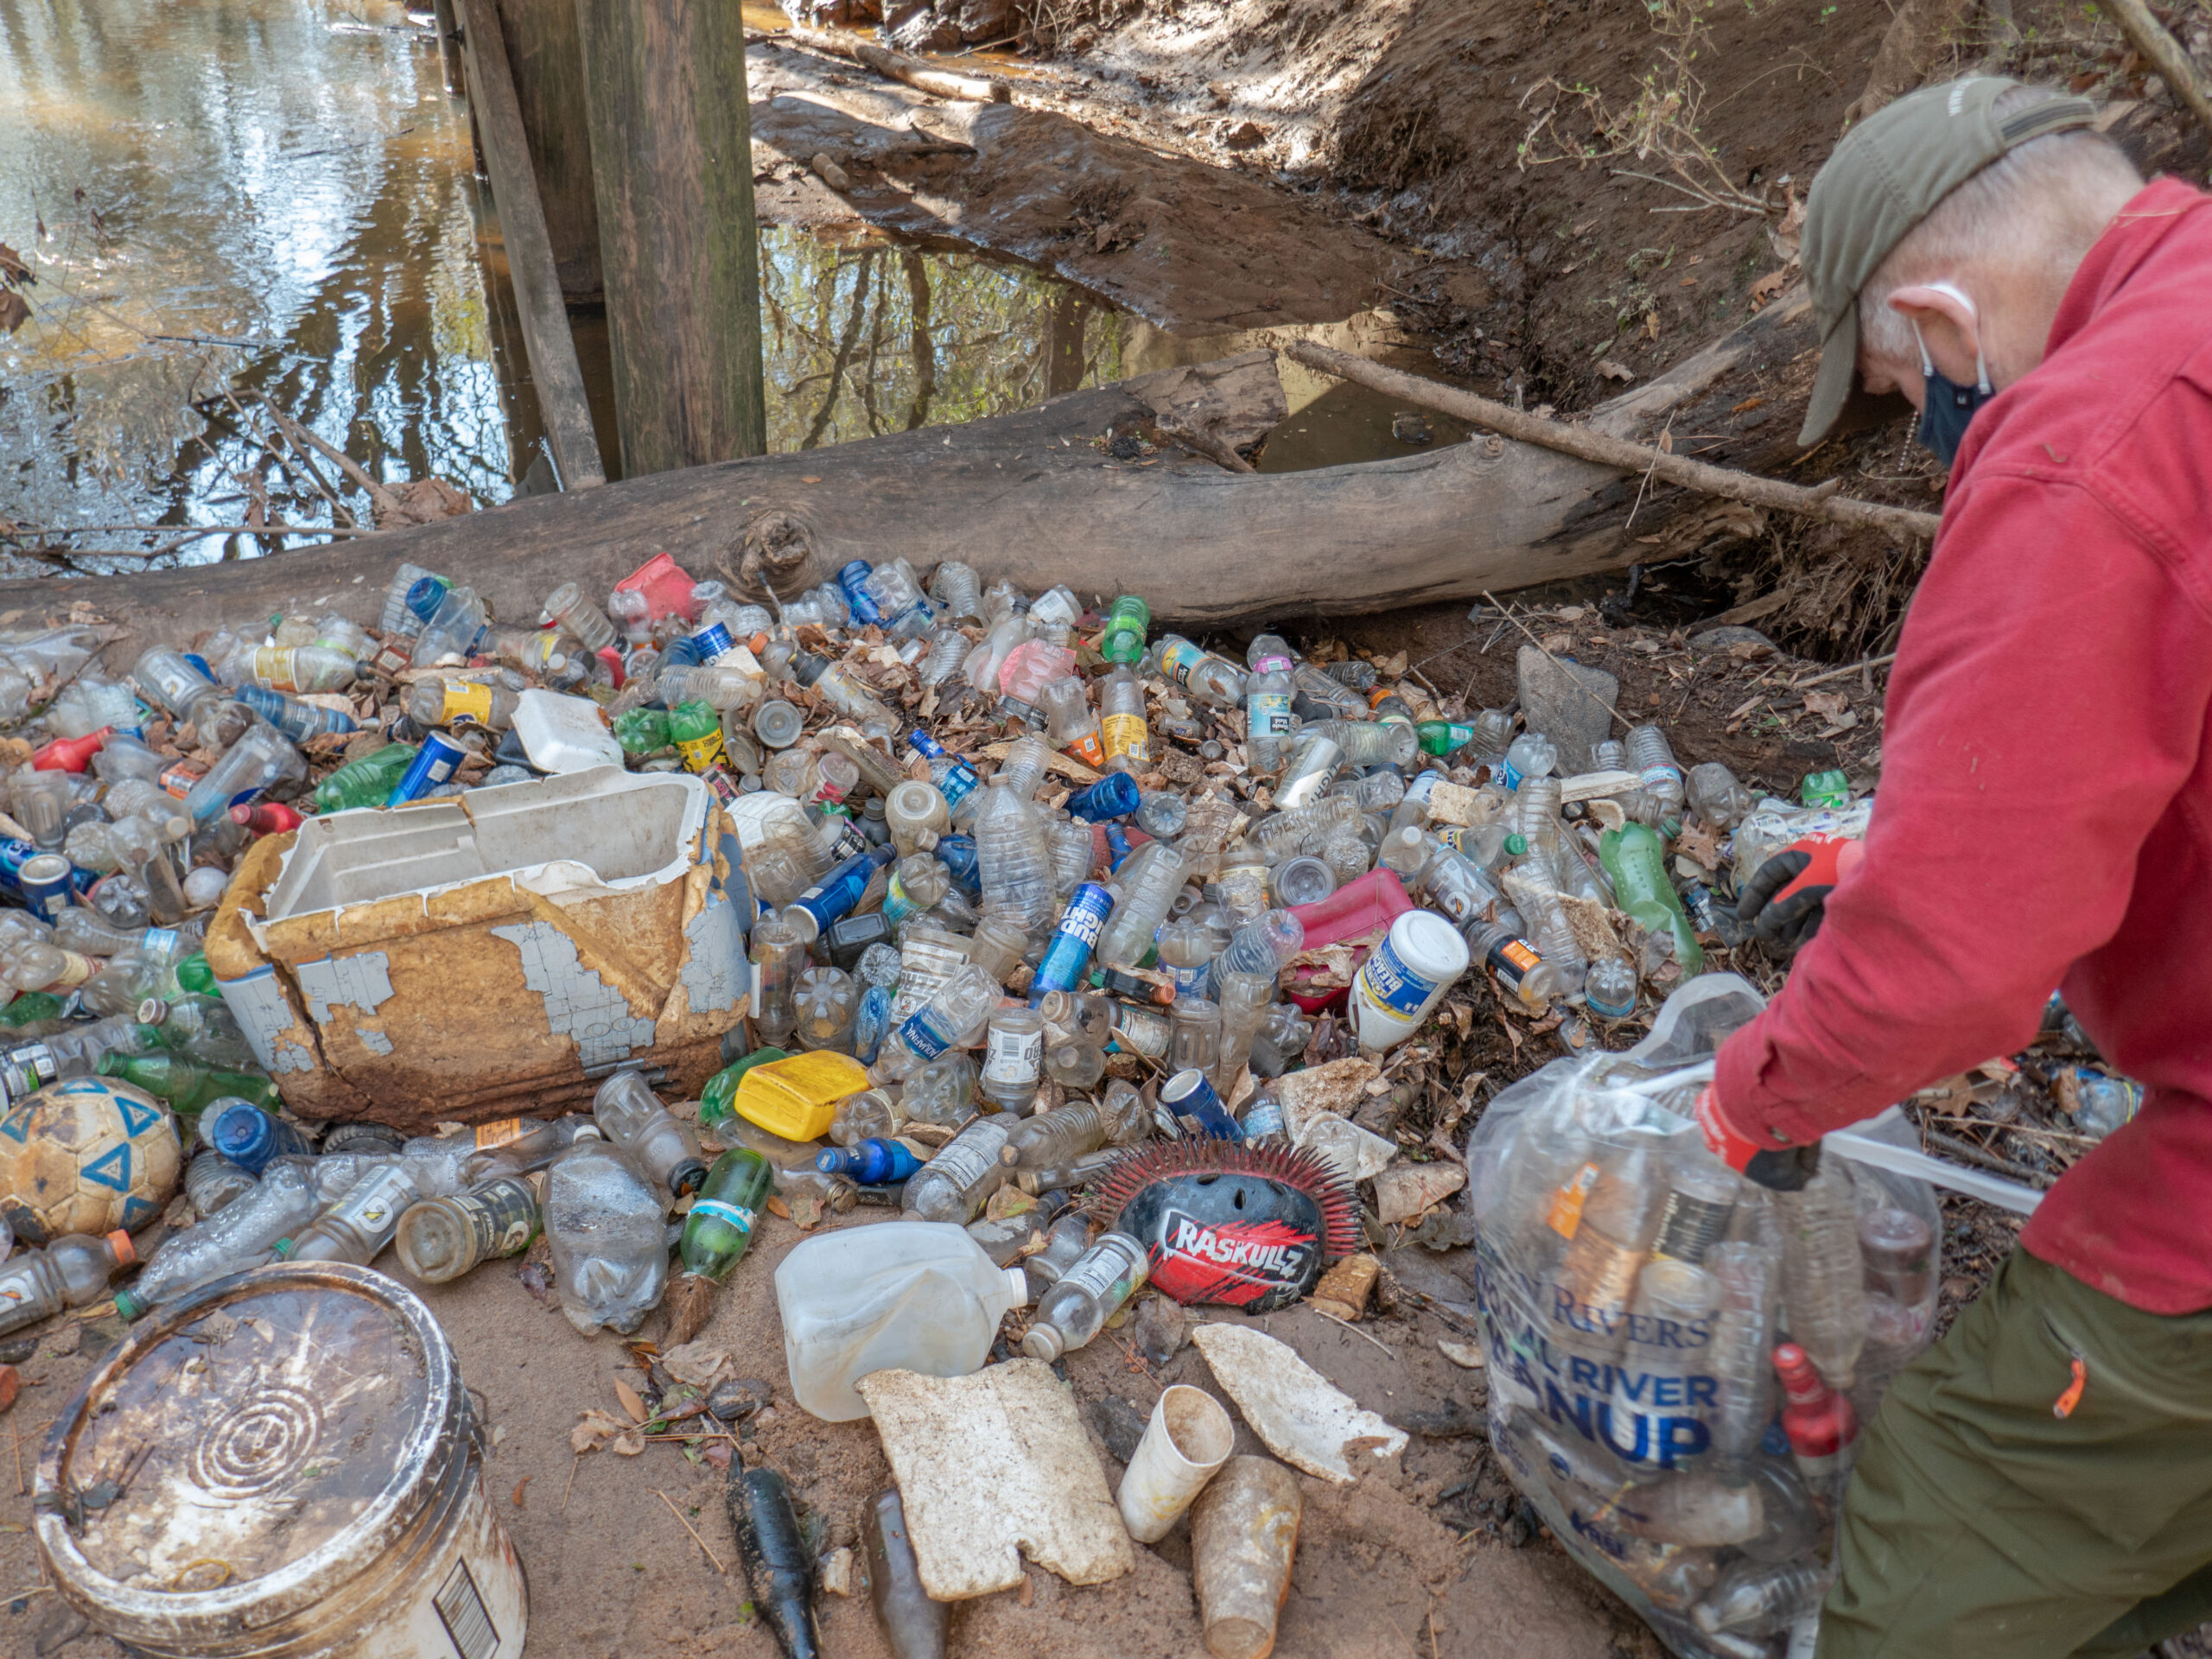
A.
pixel 1360 1334
pixel 693 1530
pixel 2150 39
pixel 1868 665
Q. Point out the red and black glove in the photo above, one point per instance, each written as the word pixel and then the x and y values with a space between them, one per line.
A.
pixel 1781 1168
pixel 1786 897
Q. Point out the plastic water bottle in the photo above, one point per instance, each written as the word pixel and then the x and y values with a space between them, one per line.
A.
pixel 965 1171
pixel 248 767
pixel 439 699
pixel 70 1272
pixel 1147 886
pixel 1262 946
pixel 778 950
pixel 610 1246
pixel 248 1136
pixel 953 1018
pixel 1652 757
pixel 358 1227
pixel 569 607
pixel 1530 755
pixel 1209 678
pixel 297 720
pixel 366 781
pixel 242 1236
pixel 1071 1313
pixel 1823 1273
pixel 1121 722
pixel 213 1182
pixel 956 586
pixel 1013 1056
pixel 630 1115
pixel 1267 719
pixel 1016 866
pixel 872 1162
pixel 1741 1349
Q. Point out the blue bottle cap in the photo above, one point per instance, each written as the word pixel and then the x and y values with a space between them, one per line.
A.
pixel 425 596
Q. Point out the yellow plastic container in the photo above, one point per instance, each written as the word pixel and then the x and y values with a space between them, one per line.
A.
pixel 796 1097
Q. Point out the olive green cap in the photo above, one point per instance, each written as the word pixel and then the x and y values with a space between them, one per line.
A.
pixel 1887 175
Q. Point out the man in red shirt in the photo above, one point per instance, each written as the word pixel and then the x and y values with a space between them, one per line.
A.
pixel 2040 1481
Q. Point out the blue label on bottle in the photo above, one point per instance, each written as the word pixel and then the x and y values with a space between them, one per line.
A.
pixel 853 579
pixel 1387 984
pixel 1262 1118
pixel 925 1035
pixel 736 1214
pixel 1508 775
pixel 711 642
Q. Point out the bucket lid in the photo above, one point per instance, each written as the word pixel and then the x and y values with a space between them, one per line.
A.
pixel 248 1451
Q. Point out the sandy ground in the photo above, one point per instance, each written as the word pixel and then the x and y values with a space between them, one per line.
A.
pixel 611 1571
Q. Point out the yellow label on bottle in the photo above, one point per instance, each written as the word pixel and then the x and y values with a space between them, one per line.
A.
pixel 466 704
pixel 702 754
pixel 1566 1217
pixel 1128 735
pixel 1089 750
pixel 75 971
pixel 272 667
pixel 499 1132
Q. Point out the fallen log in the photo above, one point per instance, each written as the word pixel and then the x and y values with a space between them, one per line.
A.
pixel 1815 501
pixel 1038 497
pixel 917 72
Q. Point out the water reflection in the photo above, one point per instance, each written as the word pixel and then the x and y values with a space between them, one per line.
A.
pixel 868 336
pixel 235 204
pixel 232 198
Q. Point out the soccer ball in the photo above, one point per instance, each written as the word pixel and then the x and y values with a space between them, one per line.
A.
pixel 86 1155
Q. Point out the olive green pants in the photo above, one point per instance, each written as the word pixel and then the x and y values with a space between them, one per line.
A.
pixel 1981 1524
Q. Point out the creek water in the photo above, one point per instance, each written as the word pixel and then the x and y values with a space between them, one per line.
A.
pixel 232 204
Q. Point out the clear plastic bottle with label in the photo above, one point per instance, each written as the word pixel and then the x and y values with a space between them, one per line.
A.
pixel 778 951
pixel 1072 1312
pixel 241 1235
pixel 1267 719
pixel 1071 726
pixel 1013 1056
pixel 1123 725
pixel 1013 858
pixel 953 1018
pixel 440 1239
pixel 358 1227
pixel 1652 757
pixel 1144 888
pixel 70 1272
pixel 964 1172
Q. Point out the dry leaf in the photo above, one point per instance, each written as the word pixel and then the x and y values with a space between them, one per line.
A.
pixel 1698 843
pixel 629 1444
pixel 1607 368
pixel 13 270
pixel 593 1429
pixel 631 1401
pixel 1464 1355
pixel 1768 286
pixel 1828 705
pixel 13 313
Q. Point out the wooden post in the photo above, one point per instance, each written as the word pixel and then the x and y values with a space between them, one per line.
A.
pixel 546 57
pixel 448 27
pixel 552 352
pixel 671 154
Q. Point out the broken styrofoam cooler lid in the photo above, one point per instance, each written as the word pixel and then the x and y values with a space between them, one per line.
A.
pixel 500 951
pixel 564 733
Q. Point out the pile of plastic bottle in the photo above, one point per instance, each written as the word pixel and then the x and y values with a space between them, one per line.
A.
pixel 1030 883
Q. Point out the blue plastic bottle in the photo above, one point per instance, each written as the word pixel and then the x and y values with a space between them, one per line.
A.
pixel 872 1163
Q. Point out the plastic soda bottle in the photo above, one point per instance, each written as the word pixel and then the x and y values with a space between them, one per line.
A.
pixel 366 781
pixel 71 1272
pixel 720 1227
pixel 1636 859
pixel 1126 623
pixel 697 731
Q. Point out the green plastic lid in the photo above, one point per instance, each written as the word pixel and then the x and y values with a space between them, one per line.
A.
pixel 1516 845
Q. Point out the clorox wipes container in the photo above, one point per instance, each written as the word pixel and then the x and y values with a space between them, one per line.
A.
pixel 283 1464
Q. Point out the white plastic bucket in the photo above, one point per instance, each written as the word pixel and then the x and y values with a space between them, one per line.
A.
pixel 1404 977
pixel 285 1465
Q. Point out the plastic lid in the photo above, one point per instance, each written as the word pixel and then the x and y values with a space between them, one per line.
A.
pixel 1043 1343
pixel 120 1241
pixel 1517 844
pixel 687 1176
pixel 1018 1282
pixel 303 1416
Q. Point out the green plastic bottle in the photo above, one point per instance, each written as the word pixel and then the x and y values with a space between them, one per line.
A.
pixel 642 731
pixel 1123 641
pixel 696 729
pixel 1825 788
pixel 716 1100
pixel 1636 859
pixel 185 1083
pixel 1444 736
pixel 366 781
pixel 192 976
pixel 30 1008
pixel 720 1227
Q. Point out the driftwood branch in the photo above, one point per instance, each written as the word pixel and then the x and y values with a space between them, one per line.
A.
pixel 2157 47
pixel 896 66
pixel 1819 501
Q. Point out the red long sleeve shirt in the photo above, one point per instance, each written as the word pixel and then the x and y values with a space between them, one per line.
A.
pixel 2045 812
